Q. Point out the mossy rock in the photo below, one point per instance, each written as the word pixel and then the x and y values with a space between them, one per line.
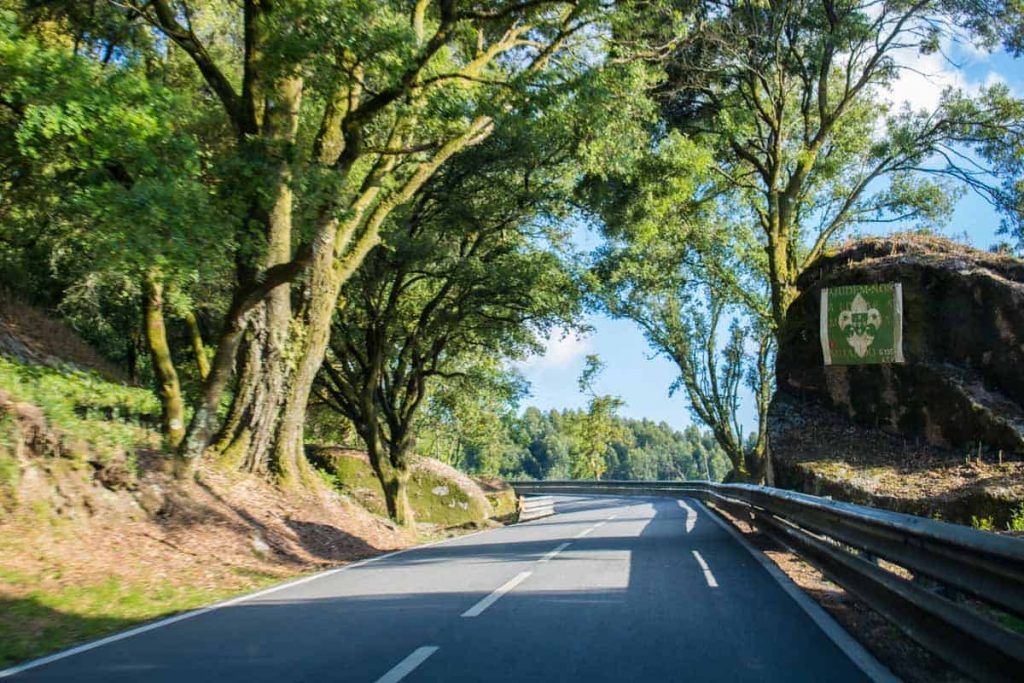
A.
pixel 439 494
pixel 500 495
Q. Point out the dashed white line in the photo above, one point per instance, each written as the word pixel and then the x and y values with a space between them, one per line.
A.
pixel 554 552
pixel 612 517
pixel 585 532
pixel 691 516
pixel 408 665
pixel 478 609
pixel 708 576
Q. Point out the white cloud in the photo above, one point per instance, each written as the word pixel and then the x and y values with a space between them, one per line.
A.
pixel 923 78
pixel 561 349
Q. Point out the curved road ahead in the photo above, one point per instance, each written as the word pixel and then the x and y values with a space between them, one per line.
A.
pixel 609 589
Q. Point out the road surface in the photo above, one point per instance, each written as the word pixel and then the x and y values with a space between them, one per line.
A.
pixel 609 589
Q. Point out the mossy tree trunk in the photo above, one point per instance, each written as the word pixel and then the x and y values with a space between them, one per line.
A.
pixel 370 154
pixel 198 347
pixel 168 386
pixel 390 464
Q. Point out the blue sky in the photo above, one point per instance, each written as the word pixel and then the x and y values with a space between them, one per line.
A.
pixel 642 380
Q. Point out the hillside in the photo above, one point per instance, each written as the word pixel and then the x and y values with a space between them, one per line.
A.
pixel 95 535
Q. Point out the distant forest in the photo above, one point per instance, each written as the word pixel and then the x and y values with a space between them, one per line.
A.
pixel 547 445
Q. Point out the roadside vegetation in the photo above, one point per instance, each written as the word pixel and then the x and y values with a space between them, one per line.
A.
pixel 254 254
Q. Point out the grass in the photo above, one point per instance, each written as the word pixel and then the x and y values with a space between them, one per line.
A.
pixel 1016 522
pixel 35 620
pixel 84 408
pixel 983 523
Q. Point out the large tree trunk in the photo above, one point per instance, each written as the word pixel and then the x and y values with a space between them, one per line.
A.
pixel 249 432
pixel 396 496
pixel 394 479
pixel 247 436
pixel 169 388
pixel 390 464
pixel 267 418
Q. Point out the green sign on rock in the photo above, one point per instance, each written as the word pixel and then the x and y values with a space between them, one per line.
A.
pixel 862 324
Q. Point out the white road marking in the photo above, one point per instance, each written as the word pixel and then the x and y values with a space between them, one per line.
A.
pixel 585 532
pixel 691 516
pixel 478 609
pixel 407 665
pixel 554 552
pixel 836 633
pixel 708 576
pixel 612 517
pixel 85 647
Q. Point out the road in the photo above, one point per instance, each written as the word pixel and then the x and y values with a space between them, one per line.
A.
pixel 609 589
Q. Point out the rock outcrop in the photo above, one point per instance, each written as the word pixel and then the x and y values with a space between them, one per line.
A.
pixel 960 390
pixel 439 494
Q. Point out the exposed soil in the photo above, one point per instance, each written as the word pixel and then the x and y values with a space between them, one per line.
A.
pixel 824 454
pixel 223 532
pixel 30 335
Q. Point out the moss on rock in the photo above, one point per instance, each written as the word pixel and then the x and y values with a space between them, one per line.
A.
pixel 439 494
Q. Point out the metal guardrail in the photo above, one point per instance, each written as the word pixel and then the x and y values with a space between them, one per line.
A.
pixel 952 588
pixel 535 507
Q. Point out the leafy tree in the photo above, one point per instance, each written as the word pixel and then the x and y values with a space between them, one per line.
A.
pixel 463 274
pixel 777 140
pixel 338 113
pixel 98 163
pixel 465 420
pixel 593 432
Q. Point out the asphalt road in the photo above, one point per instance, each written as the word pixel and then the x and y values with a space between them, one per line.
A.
pixel 609 589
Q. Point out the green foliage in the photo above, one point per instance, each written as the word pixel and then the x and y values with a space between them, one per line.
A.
pixel 82 407
pixel 594 432
pixel 641 449
pixel 465 281
pixel 465 420
pixel 1016 522
pixel 983 523
pixel 105 177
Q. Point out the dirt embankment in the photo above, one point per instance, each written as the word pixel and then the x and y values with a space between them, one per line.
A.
pixel 94 534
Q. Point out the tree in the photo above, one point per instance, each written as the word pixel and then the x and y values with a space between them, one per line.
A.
pixel 593 432
pixel 778 140
pixel 465 420
pixel 701 304
pixel 464 274
pixel 789 99
pixel 335 113
pixel 98 162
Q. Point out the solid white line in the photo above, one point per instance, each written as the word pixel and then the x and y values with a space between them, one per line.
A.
pixel 478 609
pixel 691 516
pixel 407 665
pixel 554 552
pixel 85 647
pixel 708 576
pixel 857 653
